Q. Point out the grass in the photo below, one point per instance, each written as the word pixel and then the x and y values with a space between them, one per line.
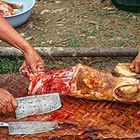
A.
pixel 88 31
pixel 8 65
pixel 74 43
pixel 12 65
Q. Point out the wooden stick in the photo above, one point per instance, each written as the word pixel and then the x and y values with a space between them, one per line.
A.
pixel 73 52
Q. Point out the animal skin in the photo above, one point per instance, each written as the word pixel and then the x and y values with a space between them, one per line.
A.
pixel 82 81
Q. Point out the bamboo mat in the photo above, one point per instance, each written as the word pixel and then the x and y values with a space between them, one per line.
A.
pixel 78 119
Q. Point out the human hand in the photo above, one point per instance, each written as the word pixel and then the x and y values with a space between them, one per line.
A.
pixel 7 101
pixel 135 66
pixel 33 60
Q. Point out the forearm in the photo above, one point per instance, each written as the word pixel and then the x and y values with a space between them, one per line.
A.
pixel 138 49
pixel 11 36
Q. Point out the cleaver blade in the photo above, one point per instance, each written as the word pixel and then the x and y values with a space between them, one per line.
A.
pixel 29 127
pixel 37 104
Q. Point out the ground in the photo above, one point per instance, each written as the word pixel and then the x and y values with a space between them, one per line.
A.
pixel 77 23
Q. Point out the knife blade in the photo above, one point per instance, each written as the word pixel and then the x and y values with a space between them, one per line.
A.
pixel 37 104
pixel 29 127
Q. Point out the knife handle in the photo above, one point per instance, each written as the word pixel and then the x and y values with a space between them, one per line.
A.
pixel 3 124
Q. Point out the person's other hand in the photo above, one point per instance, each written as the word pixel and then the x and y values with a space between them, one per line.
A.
pixel 135 65
pixel 7 101
pixel 33 60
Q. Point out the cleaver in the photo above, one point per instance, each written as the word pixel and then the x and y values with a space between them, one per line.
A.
pixel 29 127
pixel 37 104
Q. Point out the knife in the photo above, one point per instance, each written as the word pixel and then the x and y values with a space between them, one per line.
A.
pixel 37 104
pixel 29 127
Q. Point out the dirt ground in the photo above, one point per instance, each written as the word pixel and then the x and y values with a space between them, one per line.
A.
pixel 80 23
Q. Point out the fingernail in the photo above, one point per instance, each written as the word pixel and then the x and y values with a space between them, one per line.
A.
pixel 14 103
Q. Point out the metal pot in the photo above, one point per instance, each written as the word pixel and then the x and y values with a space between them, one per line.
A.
pixel 127 5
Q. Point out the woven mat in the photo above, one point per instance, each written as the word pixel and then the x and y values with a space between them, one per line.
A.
pixel 78 119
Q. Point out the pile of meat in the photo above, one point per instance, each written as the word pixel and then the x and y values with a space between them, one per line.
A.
pixel 86 82
pixel 8 9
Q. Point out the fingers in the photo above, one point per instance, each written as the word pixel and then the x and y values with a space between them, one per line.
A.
pixel 135 66
pixel 34 66
pixel 22 66
pixel 132 67
pixel 7 101
pixel 3 106
pixel 139 87
pixel 2 102
pixel 4 109
pixel 8 107
pixel 40 67
pixel 33 60
pixel 37 65
pixel 11 105
pixel 14 103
